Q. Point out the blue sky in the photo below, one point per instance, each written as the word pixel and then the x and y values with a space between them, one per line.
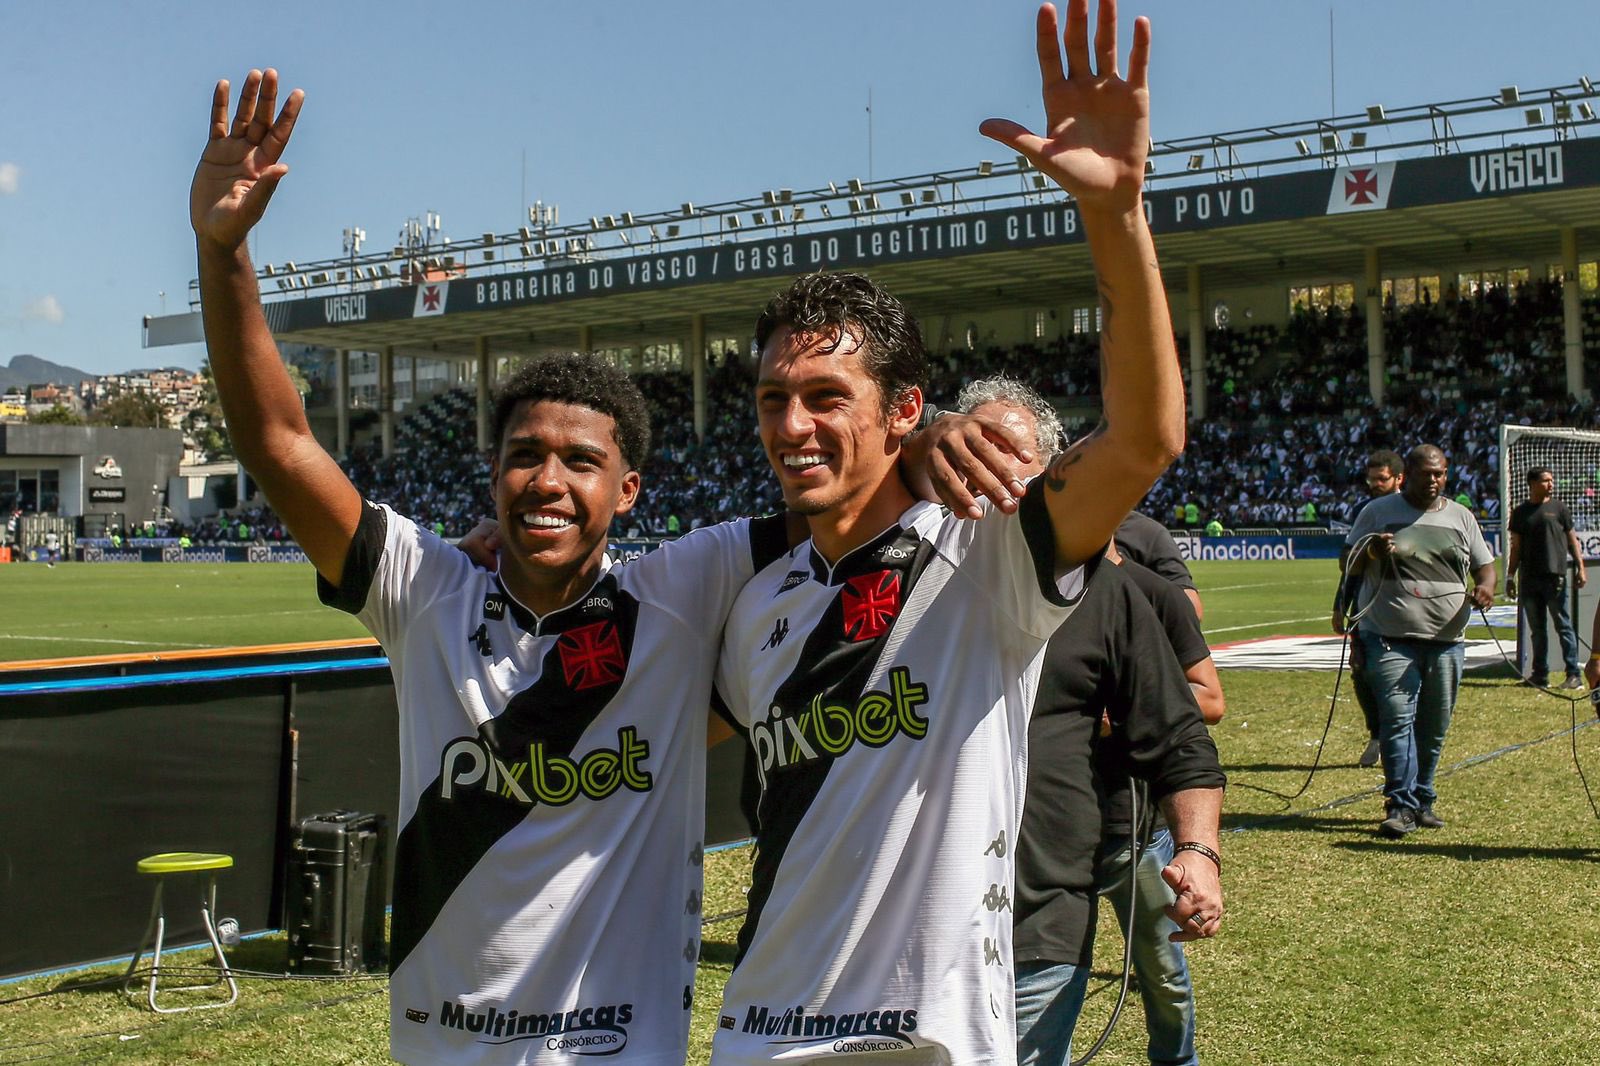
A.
pixel 416 107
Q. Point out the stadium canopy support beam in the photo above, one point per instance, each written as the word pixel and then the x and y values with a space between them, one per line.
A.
pixel 386 399
pixel 1377 361
pixel 697 367
pixel 341 401
pixel 481 345
pixel 1571 313
pixel 413 371
pixel 585 338
pixel 1197 347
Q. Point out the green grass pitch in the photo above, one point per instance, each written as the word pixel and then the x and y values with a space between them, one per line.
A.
pixel 1474 943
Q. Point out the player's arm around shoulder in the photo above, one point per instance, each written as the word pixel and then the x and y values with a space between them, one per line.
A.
pixel 237 174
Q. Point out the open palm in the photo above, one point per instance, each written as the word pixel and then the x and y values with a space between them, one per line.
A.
pixel 239 169
pixel 1097 130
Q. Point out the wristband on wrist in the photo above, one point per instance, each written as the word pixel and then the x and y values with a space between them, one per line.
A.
pixel 1196 846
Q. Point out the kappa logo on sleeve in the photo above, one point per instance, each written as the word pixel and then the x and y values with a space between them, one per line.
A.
pixel 591 655
pixel 871 603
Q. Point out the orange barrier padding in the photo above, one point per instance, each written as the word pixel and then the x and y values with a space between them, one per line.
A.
pixel 183 656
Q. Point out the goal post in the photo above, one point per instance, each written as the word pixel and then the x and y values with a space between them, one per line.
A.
pixel 1573 456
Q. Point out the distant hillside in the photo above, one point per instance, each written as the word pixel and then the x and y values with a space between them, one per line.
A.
pixel 31 370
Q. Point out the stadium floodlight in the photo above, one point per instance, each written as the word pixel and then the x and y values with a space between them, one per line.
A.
pixel 611 221
pixel 288 268
pixel 855 205
pixel 1196 161
pixel 1374 112
pixel 833 190
pixel 799 214
pixel 733 221
pixel 488 239
pixel 594 223
pixel 622 235
pixel 525 233
pixel 320 278
pixel 1330 142
pixel 985 168
pixel 1149 168
pixel 687 209
pixel 1587 85
pixel 758 218
pixel 870 201
pixel 627 218
pixel 930 196
pixel 527 251
pixel 1039 183
pixel 1509 95
pixel 1586 111
pixel 770 196
pixel 488 255
pixel 384 268
pixel 1534 116
pixel 908 199
pixel 269 270
pixel 827 212
pixel 1563 112
pixel 1358 139
pixel 672 229
pixel 1022 162
pixel 855 185
pixel 1301 146
pixel 785 195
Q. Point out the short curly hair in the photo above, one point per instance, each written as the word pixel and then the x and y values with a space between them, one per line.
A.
pixel 893 352
pixel 584 380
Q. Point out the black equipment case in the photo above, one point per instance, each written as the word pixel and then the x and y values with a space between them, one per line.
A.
pixel 334 901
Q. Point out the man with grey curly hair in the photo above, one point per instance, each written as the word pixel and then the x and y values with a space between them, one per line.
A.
pixel 1009 392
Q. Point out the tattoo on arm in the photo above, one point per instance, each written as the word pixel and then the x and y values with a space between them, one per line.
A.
pixel 1055 476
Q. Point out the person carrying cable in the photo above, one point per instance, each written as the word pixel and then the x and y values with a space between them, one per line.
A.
pixel 1383 479
pixel 1415 552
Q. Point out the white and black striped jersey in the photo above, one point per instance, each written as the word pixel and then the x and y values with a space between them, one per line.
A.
pixel 548 860
pixel 887 700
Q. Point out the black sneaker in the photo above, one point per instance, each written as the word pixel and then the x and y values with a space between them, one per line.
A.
pixel 1369 758
pixel 1537 682
pixel 1573 681
pixel 1428 820
pixel 1401 820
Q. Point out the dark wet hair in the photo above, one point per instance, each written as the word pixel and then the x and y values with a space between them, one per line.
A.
pixel 893 353
pixel 1538 472
pixel 1386 459
pixel 584 380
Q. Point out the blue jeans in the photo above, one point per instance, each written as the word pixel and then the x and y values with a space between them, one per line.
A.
pixel 1158 964
pixel 1362 684
pixel 1540 596
pixel 1049 998
pixel 1415 682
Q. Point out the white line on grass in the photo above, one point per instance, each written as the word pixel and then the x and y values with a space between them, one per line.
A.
pixel 108 640
pixel 1264 625
pixel 1209 589
pixel 144 619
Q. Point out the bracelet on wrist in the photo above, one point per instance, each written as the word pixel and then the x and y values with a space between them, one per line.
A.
pixel 1196 846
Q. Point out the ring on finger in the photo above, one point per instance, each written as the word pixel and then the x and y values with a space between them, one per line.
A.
pixel 1198 919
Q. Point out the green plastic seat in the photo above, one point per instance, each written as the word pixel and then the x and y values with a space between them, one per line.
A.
pixel 161 867
pixel 178 862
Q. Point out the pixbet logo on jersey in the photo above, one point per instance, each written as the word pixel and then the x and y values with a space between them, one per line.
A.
pixel 547 778
pixel 828 728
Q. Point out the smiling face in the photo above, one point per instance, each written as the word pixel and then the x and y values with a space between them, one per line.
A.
pixel 824 428
pixel 558 481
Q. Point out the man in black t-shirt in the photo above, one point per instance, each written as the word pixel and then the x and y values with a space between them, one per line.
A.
pixel 1541 542
pixel 1116 665
pixel 1385 472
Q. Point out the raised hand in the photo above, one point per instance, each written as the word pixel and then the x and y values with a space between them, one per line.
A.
pixel 239 169
pixel 1097 133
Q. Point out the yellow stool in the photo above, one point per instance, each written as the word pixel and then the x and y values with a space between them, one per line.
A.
pixel 163 866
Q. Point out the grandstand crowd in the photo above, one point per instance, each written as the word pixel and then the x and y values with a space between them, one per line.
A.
pixel 1290 419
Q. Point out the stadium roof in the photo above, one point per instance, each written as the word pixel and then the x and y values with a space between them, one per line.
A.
pixel 948 243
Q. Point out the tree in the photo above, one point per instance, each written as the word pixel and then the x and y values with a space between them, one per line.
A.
pixel 131 410
pixel 204 424
pixel 59 415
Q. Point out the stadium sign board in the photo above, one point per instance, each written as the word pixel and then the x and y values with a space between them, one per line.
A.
pixel 1387 186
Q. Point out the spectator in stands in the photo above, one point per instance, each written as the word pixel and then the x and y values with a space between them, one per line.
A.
pixel 1542 540
pixel 1415 552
